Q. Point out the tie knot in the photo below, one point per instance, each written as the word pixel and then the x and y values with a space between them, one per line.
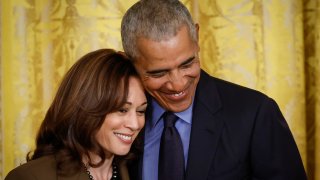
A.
pixel 169 119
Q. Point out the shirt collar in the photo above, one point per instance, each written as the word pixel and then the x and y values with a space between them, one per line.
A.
pixel 157 112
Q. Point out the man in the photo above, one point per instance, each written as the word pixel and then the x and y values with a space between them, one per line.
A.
pixel 227 131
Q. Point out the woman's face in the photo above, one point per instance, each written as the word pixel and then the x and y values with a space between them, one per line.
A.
pixel 120 128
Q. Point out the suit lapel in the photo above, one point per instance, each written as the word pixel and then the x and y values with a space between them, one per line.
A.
pixel 206 129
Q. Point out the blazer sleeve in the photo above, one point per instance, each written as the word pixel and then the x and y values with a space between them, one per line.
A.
pixel 41 168
pixel 19 174
pixel 274 154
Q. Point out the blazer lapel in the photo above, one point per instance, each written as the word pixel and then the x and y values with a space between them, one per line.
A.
pixel 82 175
pixel 206 129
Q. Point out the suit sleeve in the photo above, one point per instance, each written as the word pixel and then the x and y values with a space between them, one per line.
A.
pixel 274 153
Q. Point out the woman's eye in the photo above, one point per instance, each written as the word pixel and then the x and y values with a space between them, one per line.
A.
pixel 123 110
pixel 142 112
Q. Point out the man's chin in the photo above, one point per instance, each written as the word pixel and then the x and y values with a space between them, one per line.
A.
pixel 177 107
pixel 174 105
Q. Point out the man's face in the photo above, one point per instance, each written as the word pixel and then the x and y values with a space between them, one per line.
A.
pixel 170 69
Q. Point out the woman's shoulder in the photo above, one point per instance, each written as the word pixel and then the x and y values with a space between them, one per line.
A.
pixel 41 168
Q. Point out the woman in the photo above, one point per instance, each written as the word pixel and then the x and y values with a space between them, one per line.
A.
pixel 95 116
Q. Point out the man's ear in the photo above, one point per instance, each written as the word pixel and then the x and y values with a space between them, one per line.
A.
pixel 197 34
pixel 197 31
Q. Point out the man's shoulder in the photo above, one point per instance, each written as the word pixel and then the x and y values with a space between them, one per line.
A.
pixel 229 89
pixel 41 167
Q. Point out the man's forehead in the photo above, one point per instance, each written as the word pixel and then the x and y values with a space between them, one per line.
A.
pixel 148 63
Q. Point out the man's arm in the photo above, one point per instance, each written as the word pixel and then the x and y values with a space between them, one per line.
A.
pixel 274 153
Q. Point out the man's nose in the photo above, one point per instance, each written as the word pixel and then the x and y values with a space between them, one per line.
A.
pixel 177 80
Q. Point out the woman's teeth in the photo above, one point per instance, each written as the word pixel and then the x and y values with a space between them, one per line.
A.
pixel 124 137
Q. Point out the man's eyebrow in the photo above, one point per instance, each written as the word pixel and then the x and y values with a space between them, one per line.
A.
pixel 189 60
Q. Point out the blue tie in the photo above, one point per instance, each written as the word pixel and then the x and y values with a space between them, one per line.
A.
pixel 171 158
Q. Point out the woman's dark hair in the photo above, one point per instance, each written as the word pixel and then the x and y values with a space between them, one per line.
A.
pixel 96 85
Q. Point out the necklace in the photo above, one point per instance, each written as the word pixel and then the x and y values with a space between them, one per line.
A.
pixel 115 174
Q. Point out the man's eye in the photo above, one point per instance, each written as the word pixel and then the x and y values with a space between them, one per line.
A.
pixel 188 65
pixel 157 75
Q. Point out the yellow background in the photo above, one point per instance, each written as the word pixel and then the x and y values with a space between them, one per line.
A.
pixel 269 45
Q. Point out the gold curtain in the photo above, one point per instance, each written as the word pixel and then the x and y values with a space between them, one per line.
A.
pixel 272 46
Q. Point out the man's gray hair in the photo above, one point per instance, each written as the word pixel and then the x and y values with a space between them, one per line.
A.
pixel 155 20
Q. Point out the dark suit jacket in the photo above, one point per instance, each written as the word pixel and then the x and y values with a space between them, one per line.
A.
pixel 43 168
pixel 237 133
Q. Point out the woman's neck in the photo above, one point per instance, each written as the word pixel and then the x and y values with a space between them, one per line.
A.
pixel 103 172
